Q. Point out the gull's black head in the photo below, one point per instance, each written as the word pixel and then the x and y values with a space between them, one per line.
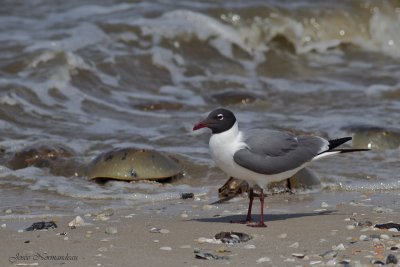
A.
pixel 219 120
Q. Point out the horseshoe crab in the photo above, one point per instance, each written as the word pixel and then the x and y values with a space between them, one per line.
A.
pixel 302 180
pixel 39 155
pixel 130 164
pixel 374 137
pixel 60 159
pixel 232 188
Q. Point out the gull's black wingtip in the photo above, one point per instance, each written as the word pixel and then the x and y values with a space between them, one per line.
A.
pixel 337 142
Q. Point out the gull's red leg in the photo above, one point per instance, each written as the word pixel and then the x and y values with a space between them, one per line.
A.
pixel 248 217
pixel 261 223
pixel 251 198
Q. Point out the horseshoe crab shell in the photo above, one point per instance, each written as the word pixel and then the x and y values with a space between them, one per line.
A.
pixel 39 155
pixel 59 159
pixel 130 164
pixel 376 138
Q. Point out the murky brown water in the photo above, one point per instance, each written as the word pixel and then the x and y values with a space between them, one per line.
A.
pixel 97 75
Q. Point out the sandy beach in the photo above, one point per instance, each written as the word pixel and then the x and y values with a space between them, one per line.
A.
pixel 338 232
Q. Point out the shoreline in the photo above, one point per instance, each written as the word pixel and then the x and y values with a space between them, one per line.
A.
pixel 171 233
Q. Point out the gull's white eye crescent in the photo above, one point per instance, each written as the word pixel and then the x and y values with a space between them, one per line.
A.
pixel 220 117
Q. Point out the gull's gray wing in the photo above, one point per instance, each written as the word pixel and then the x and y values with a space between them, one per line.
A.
pixel 272 152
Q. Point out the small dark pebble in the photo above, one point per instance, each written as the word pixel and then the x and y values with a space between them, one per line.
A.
pixel 187 195
pixel 209 256
pixel 345 263
pixel 394 248
pixel 232 237
pixel 27 241
pixel 42 226
pixel 391 259
pixel 388 226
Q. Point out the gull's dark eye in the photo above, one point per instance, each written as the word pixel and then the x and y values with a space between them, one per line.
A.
pixel 220 117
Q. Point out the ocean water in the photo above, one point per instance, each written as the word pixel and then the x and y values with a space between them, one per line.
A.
pixel 98 75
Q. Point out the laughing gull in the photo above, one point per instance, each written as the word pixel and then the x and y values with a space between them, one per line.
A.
pixel 262 156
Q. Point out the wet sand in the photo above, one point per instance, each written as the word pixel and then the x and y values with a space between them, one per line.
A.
pixel 338 228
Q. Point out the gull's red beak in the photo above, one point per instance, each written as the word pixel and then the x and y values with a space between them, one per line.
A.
pixel 199 125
